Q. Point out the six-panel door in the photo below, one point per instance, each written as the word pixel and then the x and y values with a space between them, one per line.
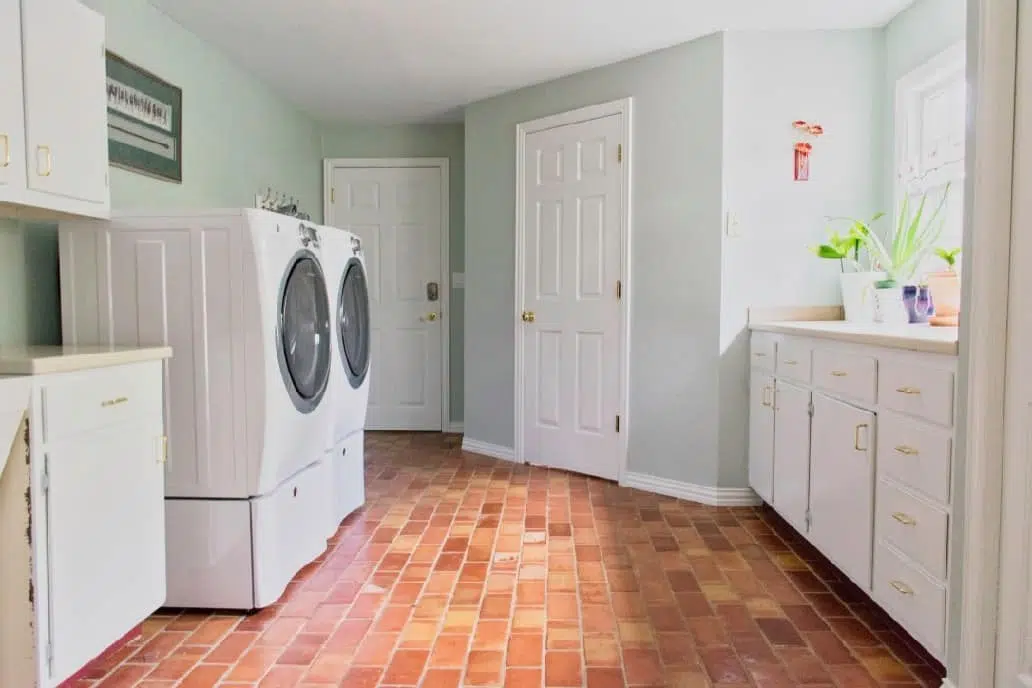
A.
pixel 842 485
pixel 792 453
pixel 761 435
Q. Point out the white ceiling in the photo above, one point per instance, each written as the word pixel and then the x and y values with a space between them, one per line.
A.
pixel 423 60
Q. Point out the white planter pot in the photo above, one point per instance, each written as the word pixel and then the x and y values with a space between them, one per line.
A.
pixel 889 306
pixel 858 295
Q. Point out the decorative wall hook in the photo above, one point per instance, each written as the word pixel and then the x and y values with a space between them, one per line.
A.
pixel 801 166
pixel 280 203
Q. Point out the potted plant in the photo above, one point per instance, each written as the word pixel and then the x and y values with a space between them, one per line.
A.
pixel 857 284
pixel 912 242
pixel 945 289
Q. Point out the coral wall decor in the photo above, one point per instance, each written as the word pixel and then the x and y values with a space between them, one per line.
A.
pixel 801 163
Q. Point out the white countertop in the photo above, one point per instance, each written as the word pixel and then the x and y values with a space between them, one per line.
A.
pixel 38 360
pixel 924 338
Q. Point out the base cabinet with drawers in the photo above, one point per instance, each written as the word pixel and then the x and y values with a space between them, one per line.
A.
pixel 90 487
pixel 852 445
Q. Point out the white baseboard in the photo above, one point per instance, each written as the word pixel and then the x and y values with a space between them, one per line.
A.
pixel 495 451
pixel 454 428
pixel 712 496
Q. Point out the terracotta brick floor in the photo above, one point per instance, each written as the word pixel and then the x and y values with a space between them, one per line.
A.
pixel 465 571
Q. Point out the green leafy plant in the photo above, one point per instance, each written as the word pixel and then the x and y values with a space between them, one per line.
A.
pixel 949 255
pixel 913 240
pixel 846 248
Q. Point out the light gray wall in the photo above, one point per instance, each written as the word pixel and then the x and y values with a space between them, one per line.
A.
pixel 421 141
pixel 675 308
pixel 765 262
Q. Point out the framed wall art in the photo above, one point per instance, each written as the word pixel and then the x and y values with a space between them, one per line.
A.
pixel 145 121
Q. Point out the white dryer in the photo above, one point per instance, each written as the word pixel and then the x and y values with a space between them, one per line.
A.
pixel 349 381
pixel 241 297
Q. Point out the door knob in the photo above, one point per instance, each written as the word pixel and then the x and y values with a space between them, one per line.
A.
pixel 430 317
pixel 528 316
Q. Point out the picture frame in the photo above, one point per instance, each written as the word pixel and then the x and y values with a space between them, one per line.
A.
pixel 145 121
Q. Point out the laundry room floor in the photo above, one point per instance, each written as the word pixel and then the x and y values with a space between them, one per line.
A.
pixel 467 571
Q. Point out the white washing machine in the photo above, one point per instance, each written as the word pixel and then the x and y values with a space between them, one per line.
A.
pixel 242 299
pixel 349 380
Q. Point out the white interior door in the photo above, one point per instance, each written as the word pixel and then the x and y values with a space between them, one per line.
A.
pixel 397 213
pixel 1014 636
pixel 572 345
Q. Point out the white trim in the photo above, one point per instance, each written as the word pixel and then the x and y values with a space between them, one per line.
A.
pixel 992 41
pixel 455 428
pixel 584 114
pixel 329 164
pixel 495 451
pixel 712 496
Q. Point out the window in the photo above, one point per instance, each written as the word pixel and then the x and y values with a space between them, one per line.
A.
pixel 931 110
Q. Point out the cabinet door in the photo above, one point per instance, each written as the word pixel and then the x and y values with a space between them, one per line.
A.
pixel 65 99
pixel 12 122
pixel 105 538
pixel 842 486
pixel 761 435
pixel 792 453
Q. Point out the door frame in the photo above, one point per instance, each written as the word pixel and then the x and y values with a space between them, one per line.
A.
pixel 991 71
pixel 330 164
pixel 623 107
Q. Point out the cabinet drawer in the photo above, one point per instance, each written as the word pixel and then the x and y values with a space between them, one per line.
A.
pixel 91 399
pixel 916 454
pixel 762 349
pixel 921 391
pixel 915 600
pixel 912 526
pixel 848 375
pixel 793 361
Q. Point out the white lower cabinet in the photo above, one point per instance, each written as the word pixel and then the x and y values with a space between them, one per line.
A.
pixel 842 486
pixel 857 457
pixel 792 454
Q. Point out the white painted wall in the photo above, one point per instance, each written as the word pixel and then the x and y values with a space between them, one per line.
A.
pixel 772 79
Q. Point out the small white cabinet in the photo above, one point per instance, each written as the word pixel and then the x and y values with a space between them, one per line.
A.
pixel 53 110
pixel 792 454
pixel 761 435
pixel 842 485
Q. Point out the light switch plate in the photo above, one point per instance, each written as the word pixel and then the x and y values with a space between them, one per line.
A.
pixel 458 280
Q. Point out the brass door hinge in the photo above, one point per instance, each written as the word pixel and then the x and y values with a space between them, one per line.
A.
pixel 619 152
pixel 618 423
pixel 619 289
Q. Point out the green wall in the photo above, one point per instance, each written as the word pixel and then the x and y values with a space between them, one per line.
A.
pixel 422 141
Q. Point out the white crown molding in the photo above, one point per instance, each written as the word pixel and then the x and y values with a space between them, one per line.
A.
pixel 712 496
pixel 495 451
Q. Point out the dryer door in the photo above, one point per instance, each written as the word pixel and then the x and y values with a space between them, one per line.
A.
pixel 353 322
pixel 304 331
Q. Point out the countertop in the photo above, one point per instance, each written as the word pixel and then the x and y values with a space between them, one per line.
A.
pixel 39 360
pixel 923 338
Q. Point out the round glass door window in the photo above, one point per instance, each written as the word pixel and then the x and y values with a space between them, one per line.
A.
pixel 304 332
pixel 353 322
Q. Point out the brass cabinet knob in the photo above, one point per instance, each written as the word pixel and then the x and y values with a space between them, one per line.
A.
pixel 430 317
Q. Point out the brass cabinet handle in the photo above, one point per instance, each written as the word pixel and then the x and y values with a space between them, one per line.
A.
pixel 856 437
pixel 50 160
pixel 908 390
pixel 528 316
pixel 791 362
pixel 906 451
pixel 904 519
pixel 901 587
pixel 766 402
pixel 114 402
pixel 839 373
pixel 7 150
pixel 164 449
pixel 760 354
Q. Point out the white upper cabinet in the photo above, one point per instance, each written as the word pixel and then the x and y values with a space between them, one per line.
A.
pixel 12 123
pixel 54 116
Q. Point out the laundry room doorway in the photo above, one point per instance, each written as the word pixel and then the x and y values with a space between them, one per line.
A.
pixel 398 207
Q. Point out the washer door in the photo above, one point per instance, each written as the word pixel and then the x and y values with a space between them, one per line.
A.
pixel 304 331
pixel 353 322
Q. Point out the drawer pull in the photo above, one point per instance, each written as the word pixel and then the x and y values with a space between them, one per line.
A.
pixel 791 362
pixel 908 390
pixel 904 519
pixel 856 437
pixel 839 373
pixel 760 355
pixel 902 588
pixel 114 402
pixel 906 451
